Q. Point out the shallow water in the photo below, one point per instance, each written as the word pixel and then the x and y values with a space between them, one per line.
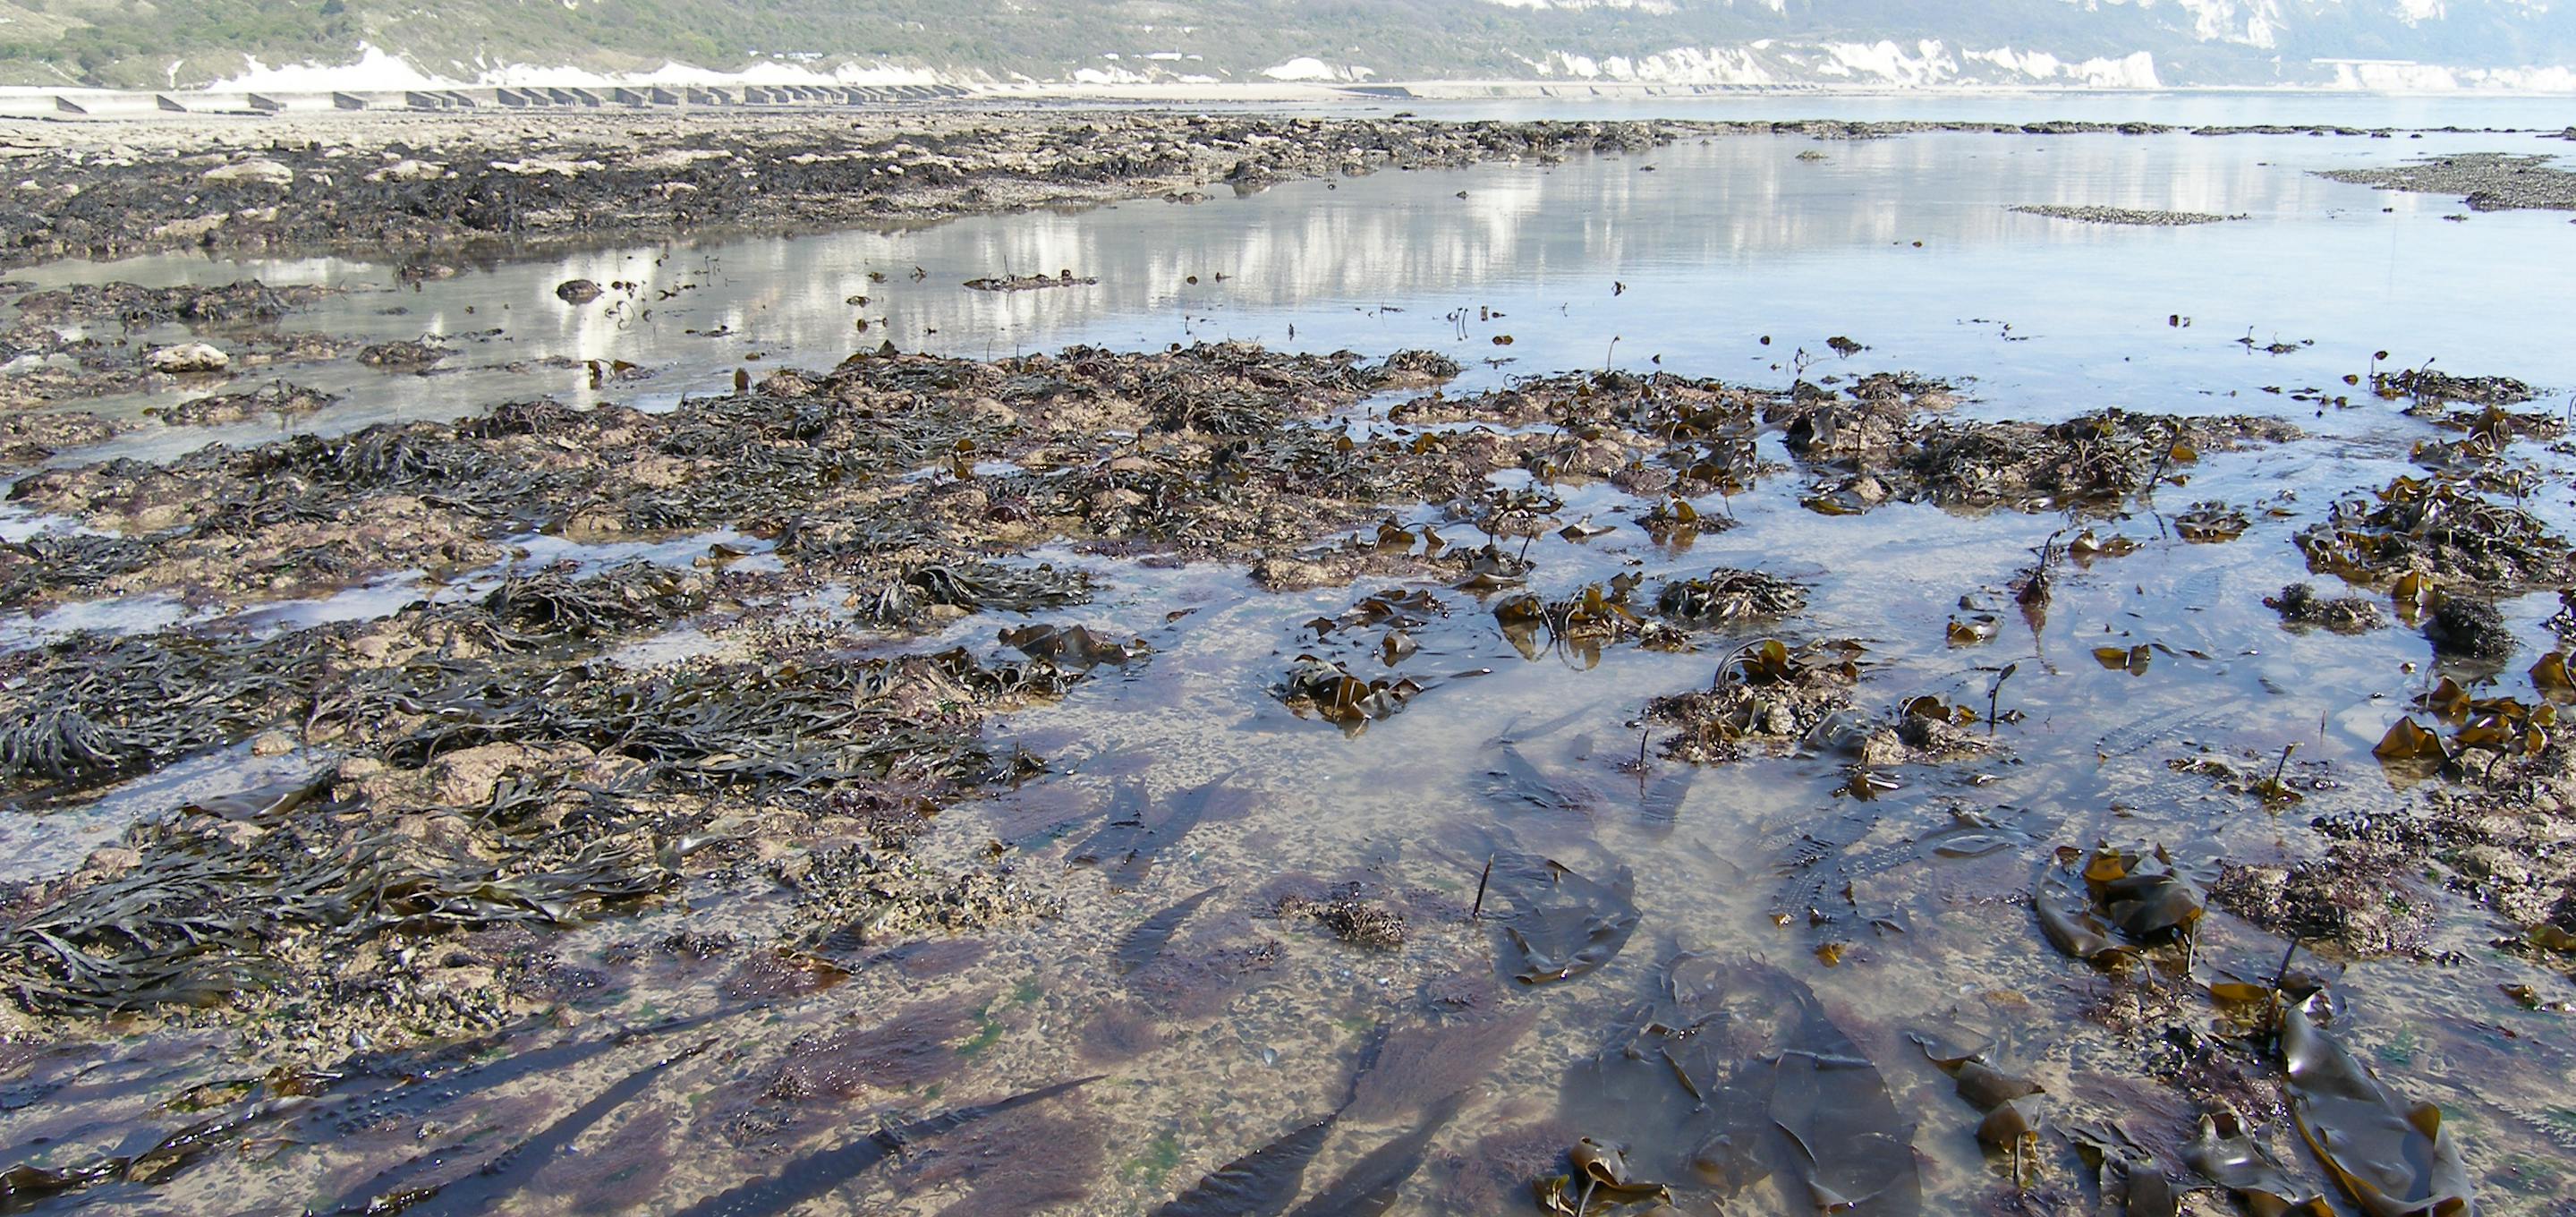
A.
pixel 1723 243
pixel 1726 242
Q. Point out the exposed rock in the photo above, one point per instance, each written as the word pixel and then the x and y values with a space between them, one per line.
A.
pixel 2126 215
pixel 187 359
pixel 264 172
pixel 409 170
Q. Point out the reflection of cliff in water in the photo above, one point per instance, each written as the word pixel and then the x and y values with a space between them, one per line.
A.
pixel 1400 237
pixel 1725 240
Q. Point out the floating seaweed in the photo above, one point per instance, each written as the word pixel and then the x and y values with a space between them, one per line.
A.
pixel 2011 1120
pixel 1659 808
pixel 2145 1190
pixel 2227 1155
pixel 2131 899
pixel 2393 1157
pixel 2502 727
pixel 1521 785
pixel 914 1046
pixel 1332 692
pixel 1024 283
pixel 1073 648
pixel 366 1091
pixel 1024 1162
pixel 2211 522
pixel 1597 614
pixel 1727 597
pixel 1600 1185
pixel 1853 1149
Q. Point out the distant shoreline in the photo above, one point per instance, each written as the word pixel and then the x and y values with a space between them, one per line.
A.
pixel 31 101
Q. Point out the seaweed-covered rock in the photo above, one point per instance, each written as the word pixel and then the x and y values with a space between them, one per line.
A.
pixel 280 400
pixel 2469 629
pixel 2441 530
pixel 408 355
pixel 2300 605
pixel 2355 903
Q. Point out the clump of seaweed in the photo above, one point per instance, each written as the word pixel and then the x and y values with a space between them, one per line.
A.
pixel 194 917
pixel 86 710
pixel 1765 699
pixel 1728 597
pixel 26 439
pixel 2440 530
pixel 2095 459
pixel 2300 605
pixel 2440 388
pixel 49 561
pixel 907 597
pixel 551 604
pixel 535 793
pixel 1351 917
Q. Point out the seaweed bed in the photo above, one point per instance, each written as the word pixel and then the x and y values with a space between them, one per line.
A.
pixel 820 858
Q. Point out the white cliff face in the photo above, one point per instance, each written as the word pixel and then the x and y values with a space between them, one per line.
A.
pixel 2375 44
pixel 1925 64
pixel 2526 45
